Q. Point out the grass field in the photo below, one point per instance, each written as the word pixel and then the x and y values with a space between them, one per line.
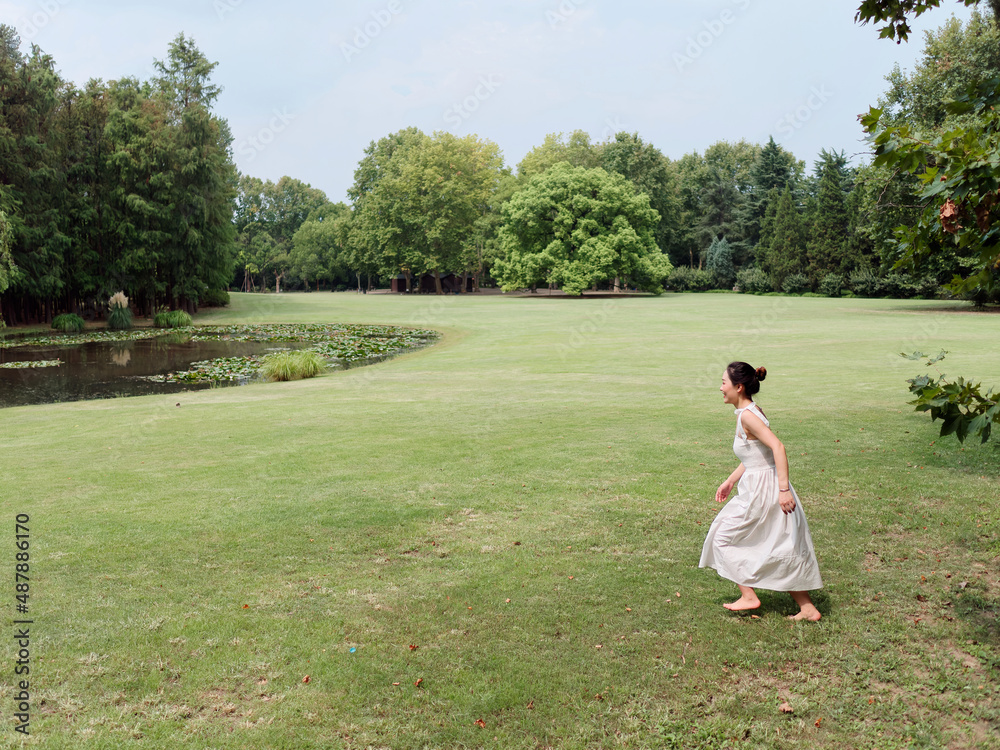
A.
pixel 493 542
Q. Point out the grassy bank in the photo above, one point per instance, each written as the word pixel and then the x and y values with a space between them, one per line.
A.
pixel 493 542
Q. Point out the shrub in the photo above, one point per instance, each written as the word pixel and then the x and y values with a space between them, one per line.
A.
pixel 753 281
pixel 68 323
pixel 172 319
pixel 292 365
pixel 683 279
pixel 215 298
pixel 795 283
pixel 119 314
pixel 720 264
pixel 928 287
pixel 831 285
pixel 864 283
pixel 897 285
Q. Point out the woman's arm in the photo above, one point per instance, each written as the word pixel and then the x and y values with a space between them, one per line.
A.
pixel 726 487
pixel 754 427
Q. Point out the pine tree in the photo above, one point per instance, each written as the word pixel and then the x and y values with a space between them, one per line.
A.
pixel 828 249
pixel 786 253
pixel 773 171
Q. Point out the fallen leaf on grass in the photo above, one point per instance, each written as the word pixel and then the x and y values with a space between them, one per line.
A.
pixel 785 708
pixel 818 722
pixel 480 723
pixel 395 684
pixel 412 647
pixel 306 678
pixel 754 617
pixel 531 705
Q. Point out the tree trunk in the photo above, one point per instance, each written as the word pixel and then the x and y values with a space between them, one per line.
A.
pixel 438 289
pixel 277 282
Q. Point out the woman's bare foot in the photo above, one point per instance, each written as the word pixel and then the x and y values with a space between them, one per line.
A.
pixel 807 610
pixel 809 614
pixel 743 603
pixel 748 600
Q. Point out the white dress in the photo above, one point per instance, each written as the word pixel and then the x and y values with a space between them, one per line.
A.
pixel 752 542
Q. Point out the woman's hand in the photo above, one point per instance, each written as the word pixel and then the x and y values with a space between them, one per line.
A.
pixel 723 492
pixel 787 501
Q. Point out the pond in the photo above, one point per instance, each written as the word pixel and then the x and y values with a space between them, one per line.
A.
pixel 38 369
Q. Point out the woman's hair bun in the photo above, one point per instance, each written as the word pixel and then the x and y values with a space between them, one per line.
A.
pixel 761 373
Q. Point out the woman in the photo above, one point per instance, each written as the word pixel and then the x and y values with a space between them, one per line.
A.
pixel 760 538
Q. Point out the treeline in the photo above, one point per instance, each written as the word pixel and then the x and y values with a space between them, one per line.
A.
pixel 123 185
pixel 130 186
pixel 742 214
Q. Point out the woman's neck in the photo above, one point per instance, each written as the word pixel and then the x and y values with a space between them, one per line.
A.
pixel 744 402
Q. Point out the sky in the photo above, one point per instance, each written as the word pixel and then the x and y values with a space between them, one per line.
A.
pixel 308 85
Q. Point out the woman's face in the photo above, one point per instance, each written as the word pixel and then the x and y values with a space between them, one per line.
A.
pixel 730 392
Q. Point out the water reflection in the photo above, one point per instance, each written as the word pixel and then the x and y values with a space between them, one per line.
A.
pixel 121 354
pixel 113 369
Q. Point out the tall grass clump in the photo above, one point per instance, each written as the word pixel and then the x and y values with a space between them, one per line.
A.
pixel 172 319
pixel 119 314
pixel 292 365
pixel 68 323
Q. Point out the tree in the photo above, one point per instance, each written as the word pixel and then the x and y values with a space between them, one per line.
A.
pixel 959 173
pixel 7 267
pixel 895 14
pixel 774 169
pixel 651 173
pixel 829 241
pixel 720 263
pixel 957 168
pixel 954 57
pixel 267 216
pixel 577 227
pixel 575 149
pixel 316 249
pixel 373 240
pixel 421 213
pixel 786 252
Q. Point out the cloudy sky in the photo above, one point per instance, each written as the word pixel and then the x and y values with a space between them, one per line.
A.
pixel 308 84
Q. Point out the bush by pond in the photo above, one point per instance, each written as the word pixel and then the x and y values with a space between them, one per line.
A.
pixel 68 323
pixel 119 314
pixel 215 298
pixel 292 365
pixel 172 319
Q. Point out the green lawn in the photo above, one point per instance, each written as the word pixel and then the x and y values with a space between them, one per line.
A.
pixel 493 542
